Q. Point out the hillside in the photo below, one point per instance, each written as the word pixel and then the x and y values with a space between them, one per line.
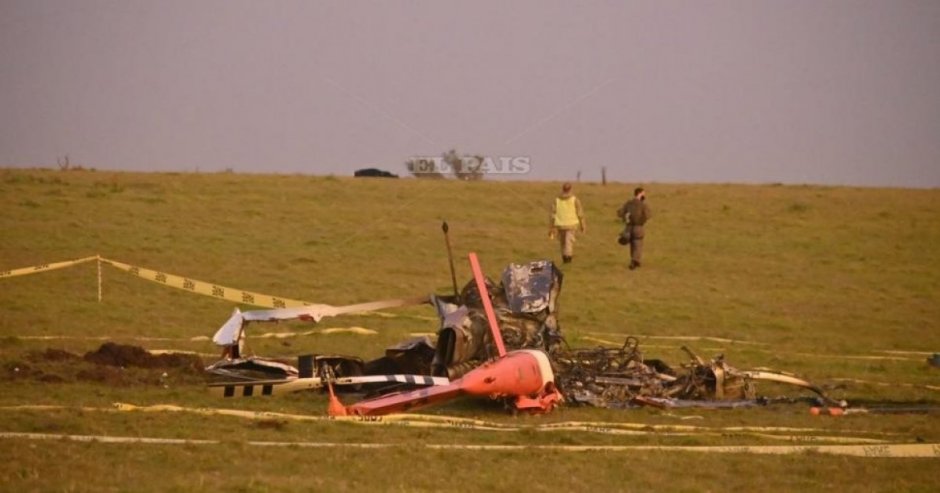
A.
pixel 833 283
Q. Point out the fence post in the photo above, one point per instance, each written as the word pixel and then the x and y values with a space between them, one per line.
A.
pixel 98 258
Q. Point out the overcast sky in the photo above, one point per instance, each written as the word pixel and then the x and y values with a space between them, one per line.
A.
pixel 792 91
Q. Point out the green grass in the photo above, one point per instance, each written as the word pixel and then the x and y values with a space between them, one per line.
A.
pixel 806 271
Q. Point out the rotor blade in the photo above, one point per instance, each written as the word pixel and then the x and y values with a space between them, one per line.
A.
pixel 279 387
pixel 231 330
pixel 487 304
pixel 268 387
pixel 404 401
pixel 332 311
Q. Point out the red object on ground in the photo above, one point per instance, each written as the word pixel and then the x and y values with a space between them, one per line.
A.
pixel 829 411
pixel 525 374
pixel 335 408
pixel 487 304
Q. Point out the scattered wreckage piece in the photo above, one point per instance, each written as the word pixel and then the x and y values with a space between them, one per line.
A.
pixel 786 378
pixel 249 369
pixel 231 335
pixel 621 377
pixel 667 403
pixel 404 365
pixel 611 377
pixel 842 411
pixel 934 360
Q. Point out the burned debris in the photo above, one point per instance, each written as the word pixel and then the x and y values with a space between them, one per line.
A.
pixel 488 331
pixel 621 377
pixel 524 303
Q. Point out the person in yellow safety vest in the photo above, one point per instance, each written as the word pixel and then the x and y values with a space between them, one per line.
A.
pixel 567 216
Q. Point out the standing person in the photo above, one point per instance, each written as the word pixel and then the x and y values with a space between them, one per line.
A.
pixel 567 215
pixel 635 212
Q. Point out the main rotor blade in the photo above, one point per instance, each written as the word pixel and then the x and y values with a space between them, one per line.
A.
pixel 487 304
pixel 279 387
pixel 231 331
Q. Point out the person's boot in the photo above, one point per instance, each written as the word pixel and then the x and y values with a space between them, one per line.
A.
pixel 634 264
pixel 566 259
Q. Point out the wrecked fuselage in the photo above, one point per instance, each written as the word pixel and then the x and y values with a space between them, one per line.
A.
pixel 525 303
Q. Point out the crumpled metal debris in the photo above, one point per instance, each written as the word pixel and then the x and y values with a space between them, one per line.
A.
pixel 532 287
pixel 621 377
pixel 524 303
pixel 251 369
pixel 934 360
pixel 606 377
pixel 411 356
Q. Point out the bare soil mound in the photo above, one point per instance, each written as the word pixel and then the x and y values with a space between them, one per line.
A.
pixel 112 354
pixel 112 364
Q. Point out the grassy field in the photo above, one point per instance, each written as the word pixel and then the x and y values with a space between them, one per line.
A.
pixel 839 285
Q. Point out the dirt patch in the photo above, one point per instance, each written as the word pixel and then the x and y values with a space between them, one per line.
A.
pixel 122 355
pixel 51 354
pixel 111 364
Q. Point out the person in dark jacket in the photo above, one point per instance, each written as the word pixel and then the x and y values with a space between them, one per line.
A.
pixel 635 212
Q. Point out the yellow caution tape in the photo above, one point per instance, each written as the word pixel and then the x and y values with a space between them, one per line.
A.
pixel 44 267
pixel 208 289
pixel 184 283
pixel 886 450
pixel 191 285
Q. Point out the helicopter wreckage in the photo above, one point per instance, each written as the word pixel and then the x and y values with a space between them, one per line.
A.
pixel 497 340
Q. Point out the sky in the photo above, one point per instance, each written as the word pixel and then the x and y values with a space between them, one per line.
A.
pixel 833 92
